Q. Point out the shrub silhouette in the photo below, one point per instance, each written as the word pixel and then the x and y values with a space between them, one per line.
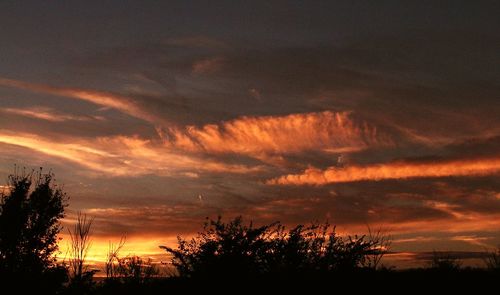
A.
pixel 237 250
pixel 29 223
pixel 136 270
pixel 492 259
pixel 113 260
pixel 130 270
pixel 444 262
pixel 233 249
pixel 81 278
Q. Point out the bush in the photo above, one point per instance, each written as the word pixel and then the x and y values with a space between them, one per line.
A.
pixel 492 260
pixel 237 250
pixel 444 262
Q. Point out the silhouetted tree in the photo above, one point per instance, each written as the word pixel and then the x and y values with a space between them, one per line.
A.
pixel 318 248
pixel 113 259
pixel 444 262
pixel 231 249
pixel 128 271
pixel 29 223
pixel 237 250
pixel 136 270
pixel 381 242
pixel 492 259
pixel 81 278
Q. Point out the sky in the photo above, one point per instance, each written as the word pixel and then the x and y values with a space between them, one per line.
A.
pixel 156 114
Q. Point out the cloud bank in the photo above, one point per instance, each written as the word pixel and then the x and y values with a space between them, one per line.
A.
pixel 395 170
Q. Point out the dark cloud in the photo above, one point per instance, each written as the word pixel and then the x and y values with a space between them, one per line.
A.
pixel 411 82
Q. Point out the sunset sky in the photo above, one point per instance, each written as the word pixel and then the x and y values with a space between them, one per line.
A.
pixel 157 114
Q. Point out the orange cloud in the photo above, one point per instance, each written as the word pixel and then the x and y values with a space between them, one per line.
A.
pixel 207 65
pixel 474 222
pixel 474 240
pixel 256 136
pixel 107 99
pixel 48 114
pixel 396 170
pixel 259 137
pixel 120 155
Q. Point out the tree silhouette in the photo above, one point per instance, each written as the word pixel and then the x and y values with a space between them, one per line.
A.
pixel 492 259
pixel 80 276
pixel 29 223
pixel 113 260
pixel 237 250
pixel 231 249
pixel 136 270
pixel 318 248
pixel 444 262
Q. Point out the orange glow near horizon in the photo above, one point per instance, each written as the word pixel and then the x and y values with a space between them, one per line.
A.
pixel 144 247
pixel 148 246
pixel 397 170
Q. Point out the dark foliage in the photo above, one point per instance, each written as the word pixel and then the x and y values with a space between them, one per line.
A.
pixel 136 270
pixel 492 260
pixel 237 250
pixel 29 223
pixel 444 262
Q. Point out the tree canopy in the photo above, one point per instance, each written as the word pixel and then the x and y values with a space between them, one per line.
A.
pixel 30 212
pixel 236 249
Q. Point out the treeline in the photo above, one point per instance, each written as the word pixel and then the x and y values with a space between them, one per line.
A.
pixel 222 254
pixel 237 250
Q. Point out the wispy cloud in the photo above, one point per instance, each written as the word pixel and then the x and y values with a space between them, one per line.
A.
pixel 48 114
pixel 121 155
pixel 419 239
pixel 197 42
pixel 256 136
pixel 474 240
pixel 207 65
pixel 122 103
pixel 475 222
pixel 395 170
pixel 470 239
pixel 451 210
